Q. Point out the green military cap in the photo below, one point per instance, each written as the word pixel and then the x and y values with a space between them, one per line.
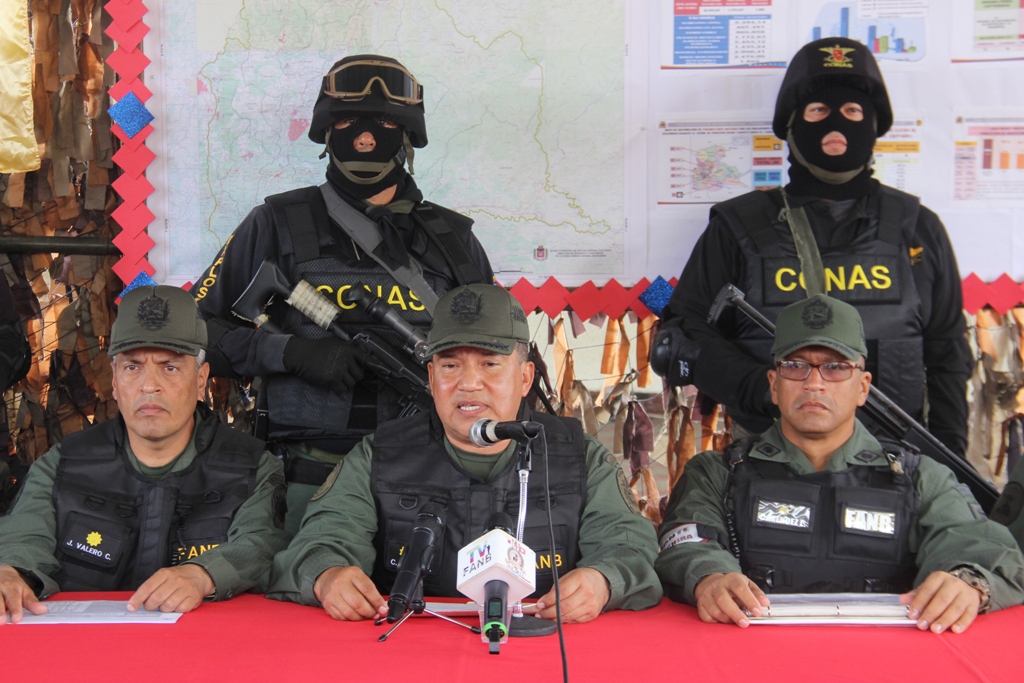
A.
pixel 159 316
pixel 820 321
pixel 482 316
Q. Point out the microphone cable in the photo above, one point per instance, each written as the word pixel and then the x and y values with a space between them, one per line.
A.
pixel 554 567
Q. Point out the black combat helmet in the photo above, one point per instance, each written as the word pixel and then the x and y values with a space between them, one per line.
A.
pixel 370 84
pixel 825 63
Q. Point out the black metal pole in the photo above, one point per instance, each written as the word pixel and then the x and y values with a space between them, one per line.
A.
pixel 86 246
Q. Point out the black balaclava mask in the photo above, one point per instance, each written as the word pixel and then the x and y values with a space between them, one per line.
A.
pixel 364 174
pixel 812 172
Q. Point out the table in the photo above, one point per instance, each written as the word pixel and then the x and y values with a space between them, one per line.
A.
pixel 251 638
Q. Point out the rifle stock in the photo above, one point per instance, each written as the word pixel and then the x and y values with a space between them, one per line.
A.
pixel 404 374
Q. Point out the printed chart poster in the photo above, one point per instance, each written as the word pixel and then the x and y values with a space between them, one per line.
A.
pixel 723 33
pixel 709 161
pixel 898 157
pixel 988 164
pixel 892 29
pixel 988 30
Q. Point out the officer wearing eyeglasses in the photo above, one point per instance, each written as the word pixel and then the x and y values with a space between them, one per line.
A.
pixel 366 226
pixel 816 504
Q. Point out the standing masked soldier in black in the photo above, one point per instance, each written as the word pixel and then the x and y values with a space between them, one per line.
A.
pixel 366 226
pixel 879 250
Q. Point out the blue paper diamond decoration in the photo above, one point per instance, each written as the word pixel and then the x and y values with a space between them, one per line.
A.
pixel 130 114
pixel 141 280
pixel 657 295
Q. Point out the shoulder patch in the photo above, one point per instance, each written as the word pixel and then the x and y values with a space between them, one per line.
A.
pixel 1009 504
pixel 627 493
pixel 329 483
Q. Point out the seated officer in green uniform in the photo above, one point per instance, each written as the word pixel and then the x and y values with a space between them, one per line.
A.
pixel 357 524
pixel 816 504
pixel 165 501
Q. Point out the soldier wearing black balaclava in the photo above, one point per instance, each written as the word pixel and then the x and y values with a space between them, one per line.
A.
pixel 879 250
pixel 320 399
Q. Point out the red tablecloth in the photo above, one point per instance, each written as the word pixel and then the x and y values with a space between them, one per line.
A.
pixel 250 638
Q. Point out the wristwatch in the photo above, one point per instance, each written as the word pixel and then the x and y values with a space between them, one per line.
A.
pixel 976 580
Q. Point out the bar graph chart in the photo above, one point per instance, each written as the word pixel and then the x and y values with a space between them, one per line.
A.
pixel 888 37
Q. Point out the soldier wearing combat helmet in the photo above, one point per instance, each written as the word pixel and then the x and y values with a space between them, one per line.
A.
pixel 366 226
pixel 833 229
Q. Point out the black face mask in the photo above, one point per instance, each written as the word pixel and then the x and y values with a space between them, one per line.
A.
pixel 805 137
pixel 344 156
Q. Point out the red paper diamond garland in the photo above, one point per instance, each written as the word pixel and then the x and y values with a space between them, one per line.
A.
pixel 526 294
pixel 586 300
pixel 1005 294
pixel 125 13
pixel 122 88
pixel 128 39
pixel 128 62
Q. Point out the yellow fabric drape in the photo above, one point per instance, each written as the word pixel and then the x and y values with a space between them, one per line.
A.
pixel 18 149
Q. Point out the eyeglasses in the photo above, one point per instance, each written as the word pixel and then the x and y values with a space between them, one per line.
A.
pixel 354 80
pixel 833 371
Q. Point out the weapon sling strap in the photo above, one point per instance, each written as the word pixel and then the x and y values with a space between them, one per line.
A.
pixel 806 247
pixel 452 247
pixel 366 234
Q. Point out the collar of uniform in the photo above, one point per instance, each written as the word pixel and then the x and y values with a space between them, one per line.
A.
pixel 774 447
pixel 180 461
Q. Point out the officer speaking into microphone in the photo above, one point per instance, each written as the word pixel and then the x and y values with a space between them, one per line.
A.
pixel 367 226
pixel 360 523
pixel 833 229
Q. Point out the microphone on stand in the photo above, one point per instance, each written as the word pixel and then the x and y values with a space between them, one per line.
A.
pixel 486 432
pixel 496 571
pixel 416 560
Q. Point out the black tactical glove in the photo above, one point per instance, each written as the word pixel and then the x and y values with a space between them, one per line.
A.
pixel 673 355
pixel 328 362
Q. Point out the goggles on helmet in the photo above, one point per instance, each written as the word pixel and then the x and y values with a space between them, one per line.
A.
pixel 354 80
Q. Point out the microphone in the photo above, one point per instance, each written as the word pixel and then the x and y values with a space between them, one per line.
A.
pixel 416 560
pixel 496 571
pixel 486 432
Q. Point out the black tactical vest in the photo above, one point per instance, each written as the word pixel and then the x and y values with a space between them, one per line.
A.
pixel 872 273
pixel 116 527
pixel 312 248
pixel 411 467
pixel 826 532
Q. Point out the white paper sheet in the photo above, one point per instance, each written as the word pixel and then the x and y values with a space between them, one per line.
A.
pixel 96 612
pixel 875 609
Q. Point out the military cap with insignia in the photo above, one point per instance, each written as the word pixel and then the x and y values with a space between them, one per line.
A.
pixel 160 316
pixel 820 320
pixel 482 316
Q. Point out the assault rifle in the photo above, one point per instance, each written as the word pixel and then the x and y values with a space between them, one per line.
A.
pixel 404 369
pixel 892 420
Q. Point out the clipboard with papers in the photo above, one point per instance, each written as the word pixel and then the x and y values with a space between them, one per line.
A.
pixel 864 609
